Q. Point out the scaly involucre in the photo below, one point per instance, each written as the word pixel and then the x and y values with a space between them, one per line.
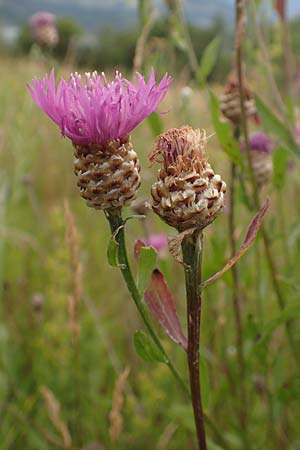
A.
pixel 96 111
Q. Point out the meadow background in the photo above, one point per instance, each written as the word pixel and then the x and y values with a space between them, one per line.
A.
pixel 57 392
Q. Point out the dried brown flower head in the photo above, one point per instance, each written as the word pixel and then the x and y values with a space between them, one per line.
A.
pixel 187 194
pixel 230 104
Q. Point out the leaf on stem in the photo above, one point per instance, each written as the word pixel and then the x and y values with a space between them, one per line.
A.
pixel 146 348
pixel 161 304
pixel 224 133
pixel 280 159
pixel 147 260
pixel 209 59
pixel 112 252
pixel 248 241
pixel 155 124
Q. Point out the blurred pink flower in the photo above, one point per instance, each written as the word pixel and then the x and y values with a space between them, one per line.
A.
pixel 259 142
pixel 43 28
pixel 96 111
pixel 158 241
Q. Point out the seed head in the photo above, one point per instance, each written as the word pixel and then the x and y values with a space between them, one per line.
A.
pixel 187 194
pixel 230 104
pixel 261 148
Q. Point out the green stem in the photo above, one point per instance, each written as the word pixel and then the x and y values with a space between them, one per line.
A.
pixel 192 255
pixel 117 228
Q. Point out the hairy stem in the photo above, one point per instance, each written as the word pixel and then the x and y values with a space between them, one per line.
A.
pixel 192 253
pixel 267 245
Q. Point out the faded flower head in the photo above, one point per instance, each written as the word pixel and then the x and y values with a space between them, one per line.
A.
pixel 261 147
pixel 230 104
pixel 43 28
pixel 95 111
pixel 98 116
pixel 259 142
pixel 187 194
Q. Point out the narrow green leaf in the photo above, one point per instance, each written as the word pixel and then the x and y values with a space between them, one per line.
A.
pixel 209 59
pixel 289 313
pixel 146 349
pixel 224 133
pixel 274 125
pixel 155 124
pixel 280 158
pixel 147 260
pixel 112 252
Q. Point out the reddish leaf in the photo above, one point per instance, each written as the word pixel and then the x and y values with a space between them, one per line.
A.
pixel 248 241
pixel 137 247
pixel 161 303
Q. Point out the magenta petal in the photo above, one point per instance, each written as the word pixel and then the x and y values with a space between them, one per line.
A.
pixel 161 304
pixel 94 111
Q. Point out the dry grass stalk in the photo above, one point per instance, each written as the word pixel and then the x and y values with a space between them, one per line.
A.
pixel 141 43
pixel 165 438
pixel 53 408
pixel 76 269
pixel 115 416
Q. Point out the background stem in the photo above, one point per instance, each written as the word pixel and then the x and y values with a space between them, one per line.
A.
pixel 236 297
pixel 192 253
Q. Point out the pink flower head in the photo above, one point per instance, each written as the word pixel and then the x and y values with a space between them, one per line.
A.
pixel 158 241
pixel 96 111
pixel 259 142
pixel 43 29
pixel 42 19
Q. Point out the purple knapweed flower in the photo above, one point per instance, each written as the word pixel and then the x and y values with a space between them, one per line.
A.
pixel 98 117
pixel 43 28
pixel 259 142
pixel 41 19
pixel 96 111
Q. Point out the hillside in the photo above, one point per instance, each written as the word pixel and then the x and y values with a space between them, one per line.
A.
pixel 92 14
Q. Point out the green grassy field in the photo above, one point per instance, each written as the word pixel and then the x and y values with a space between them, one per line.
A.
pixel 56 393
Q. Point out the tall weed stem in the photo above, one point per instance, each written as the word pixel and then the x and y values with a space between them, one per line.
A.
pixel 192 247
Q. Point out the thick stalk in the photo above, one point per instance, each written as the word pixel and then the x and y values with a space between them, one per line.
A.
pixel 117 228
pixel 269 256
pixel 236 297
pixel 192 253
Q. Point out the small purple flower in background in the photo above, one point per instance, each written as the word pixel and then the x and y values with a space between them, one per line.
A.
pixel 158 241
pixel 43 29
pixel 98 116
pixel 97 111
pixel 261 147
pixel 260 142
